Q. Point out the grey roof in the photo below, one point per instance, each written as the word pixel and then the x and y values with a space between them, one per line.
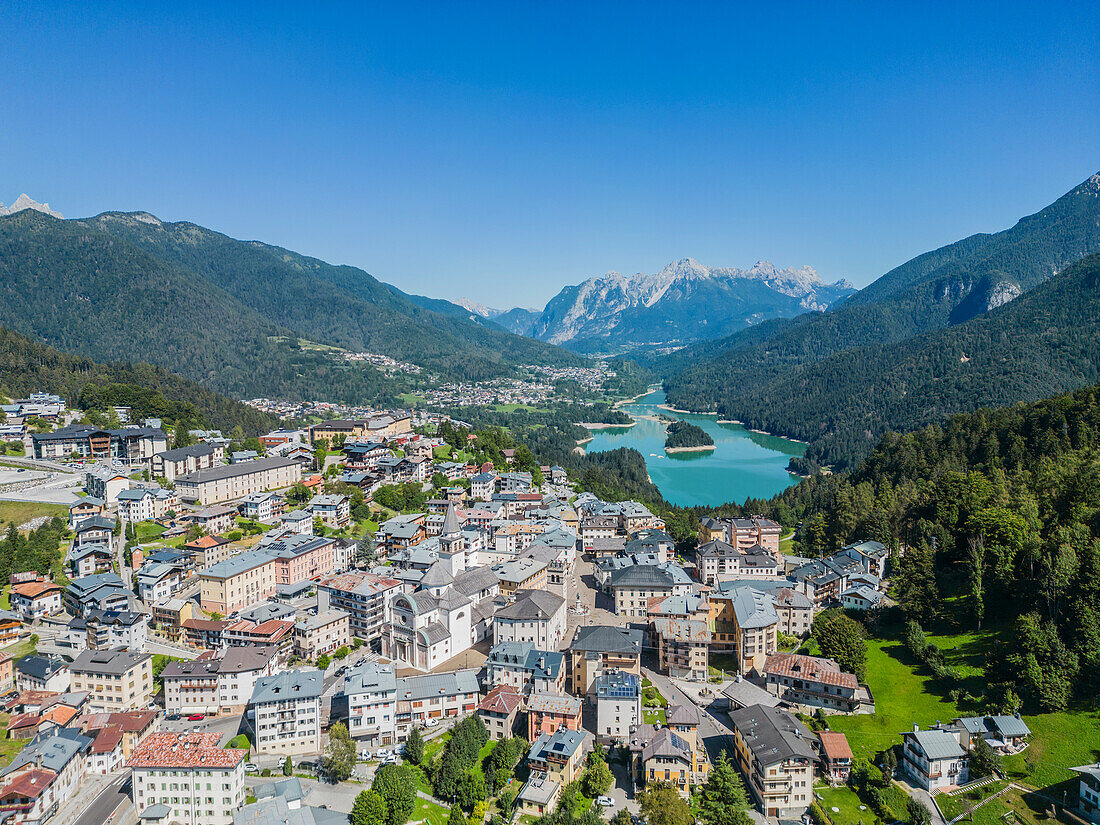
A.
pixel 113 662
pixel 416 688
pixel 937 744
pixel 540 789
pixel 561 743
pixel 275 810
pixel 191 451
pixel 475 580
pixel 287 686
pixel 52 750
pixel 451 599
pixel 370 677
pixel 264 611
pixel 434 633
pixel 235 565
pixel 532 605
pixel 96 522
pixel 289 789
pixel 666 743
pixel 682 715
pixel 450 521
pixel 320 619
pixel 773 735
pixel 642 575
pixel 437 575
pixel 233 470
pixel 753 608
pixel 155 812
pixel 607 639
pixel 40 666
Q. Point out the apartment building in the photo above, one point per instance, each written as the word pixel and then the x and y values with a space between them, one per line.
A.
pixel 633 587
pixel 547 712
pixel 363 596
pixel 437 696
pixel 187 778
pixel 369 703
pixel 683 648
pixel 286 712
pixel 618 705
pixel 598 649
pixel 333 510
pixel 776 757
pixel 217 685
pixel 525 668
pixel 44 775
pixel 934 759
pixel 720 560
pixel 116 679
pixel 234 481
pixel 171 464
pixel 747 625
pixel 498 710
pixel 536 616
pixel 238 581
pixel 811 681
pixel 321 632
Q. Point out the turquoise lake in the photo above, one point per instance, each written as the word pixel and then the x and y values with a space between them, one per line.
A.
pixel 743 464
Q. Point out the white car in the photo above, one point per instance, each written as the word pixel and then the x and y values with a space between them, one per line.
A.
pixel 431 723
pixel 605 801
pixel 250 768
pixel 381 754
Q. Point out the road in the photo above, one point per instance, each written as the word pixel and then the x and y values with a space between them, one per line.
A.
pixel 715 733
pixel 110 798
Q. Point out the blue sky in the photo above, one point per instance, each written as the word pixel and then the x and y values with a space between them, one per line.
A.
pixel 499 151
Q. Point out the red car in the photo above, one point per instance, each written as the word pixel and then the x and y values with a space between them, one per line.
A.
pixel 196 717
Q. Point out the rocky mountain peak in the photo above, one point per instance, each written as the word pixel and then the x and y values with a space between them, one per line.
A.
pixel 24 201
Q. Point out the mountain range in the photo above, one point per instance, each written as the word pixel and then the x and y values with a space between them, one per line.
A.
pixel 230 313
pixel 684 303
pixel 993 318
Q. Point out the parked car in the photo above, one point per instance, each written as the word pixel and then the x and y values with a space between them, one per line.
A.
pixel 605 801
pixel 196 717
pixel 250 768
pixel 431 723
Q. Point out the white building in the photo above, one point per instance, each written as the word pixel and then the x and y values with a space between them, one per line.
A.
pixel 536 616
pixel 934 759
pixel 370 691
pixel 196 782
pixel 215 686
pixel 286 712
pixel 618 705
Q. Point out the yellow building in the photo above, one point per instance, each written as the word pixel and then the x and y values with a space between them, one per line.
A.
pixel 115 679
pixel 521 574
pixel 237 582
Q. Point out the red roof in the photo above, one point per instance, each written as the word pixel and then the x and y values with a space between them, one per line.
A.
pixel 183 750
pixel 811 668
pixel 835 745
pixel 206 542
pixel 501 699
pixel 106 740
pixel 29 784
pixel 32 590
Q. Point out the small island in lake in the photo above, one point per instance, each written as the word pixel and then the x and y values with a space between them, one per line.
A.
pixel 684 437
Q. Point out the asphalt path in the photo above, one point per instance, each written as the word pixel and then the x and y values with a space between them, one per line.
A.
pixel 103 805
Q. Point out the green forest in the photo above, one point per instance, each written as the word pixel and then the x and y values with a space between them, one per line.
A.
pixel 683 434
pixel 27 366
pixel 916 345
pixel 994 518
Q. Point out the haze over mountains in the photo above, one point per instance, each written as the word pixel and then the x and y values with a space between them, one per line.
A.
pixel 683 303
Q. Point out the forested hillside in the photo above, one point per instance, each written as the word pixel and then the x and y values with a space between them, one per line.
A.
pixel 339 305
pixel 931 292
pixel 996 515
pixel 27 366
pixel 1043 343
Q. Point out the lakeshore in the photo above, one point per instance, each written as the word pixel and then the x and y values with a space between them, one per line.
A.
pixel 701 448
pixel 741 464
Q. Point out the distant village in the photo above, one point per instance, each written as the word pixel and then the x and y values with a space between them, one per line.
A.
pixel 211 596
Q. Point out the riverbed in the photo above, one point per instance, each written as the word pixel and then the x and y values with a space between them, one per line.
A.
pixel 743 464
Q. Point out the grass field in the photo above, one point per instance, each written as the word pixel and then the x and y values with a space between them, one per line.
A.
pixel 955 805
pixel 1059 741
pixel 653 716
pixel 429 812
pixel 148 531
pixel 8 747
pixel 19 649
pixel 847 803
pixel 5 597
pixel 902 698
pixel 21 512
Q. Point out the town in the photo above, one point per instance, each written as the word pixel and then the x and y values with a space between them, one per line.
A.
pixel 269 623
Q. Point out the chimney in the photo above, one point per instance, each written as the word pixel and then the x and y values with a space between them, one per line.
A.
pixel 916 727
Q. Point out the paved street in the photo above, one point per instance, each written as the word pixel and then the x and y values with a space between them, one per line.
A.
pixel 714 727
pixel 100 808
